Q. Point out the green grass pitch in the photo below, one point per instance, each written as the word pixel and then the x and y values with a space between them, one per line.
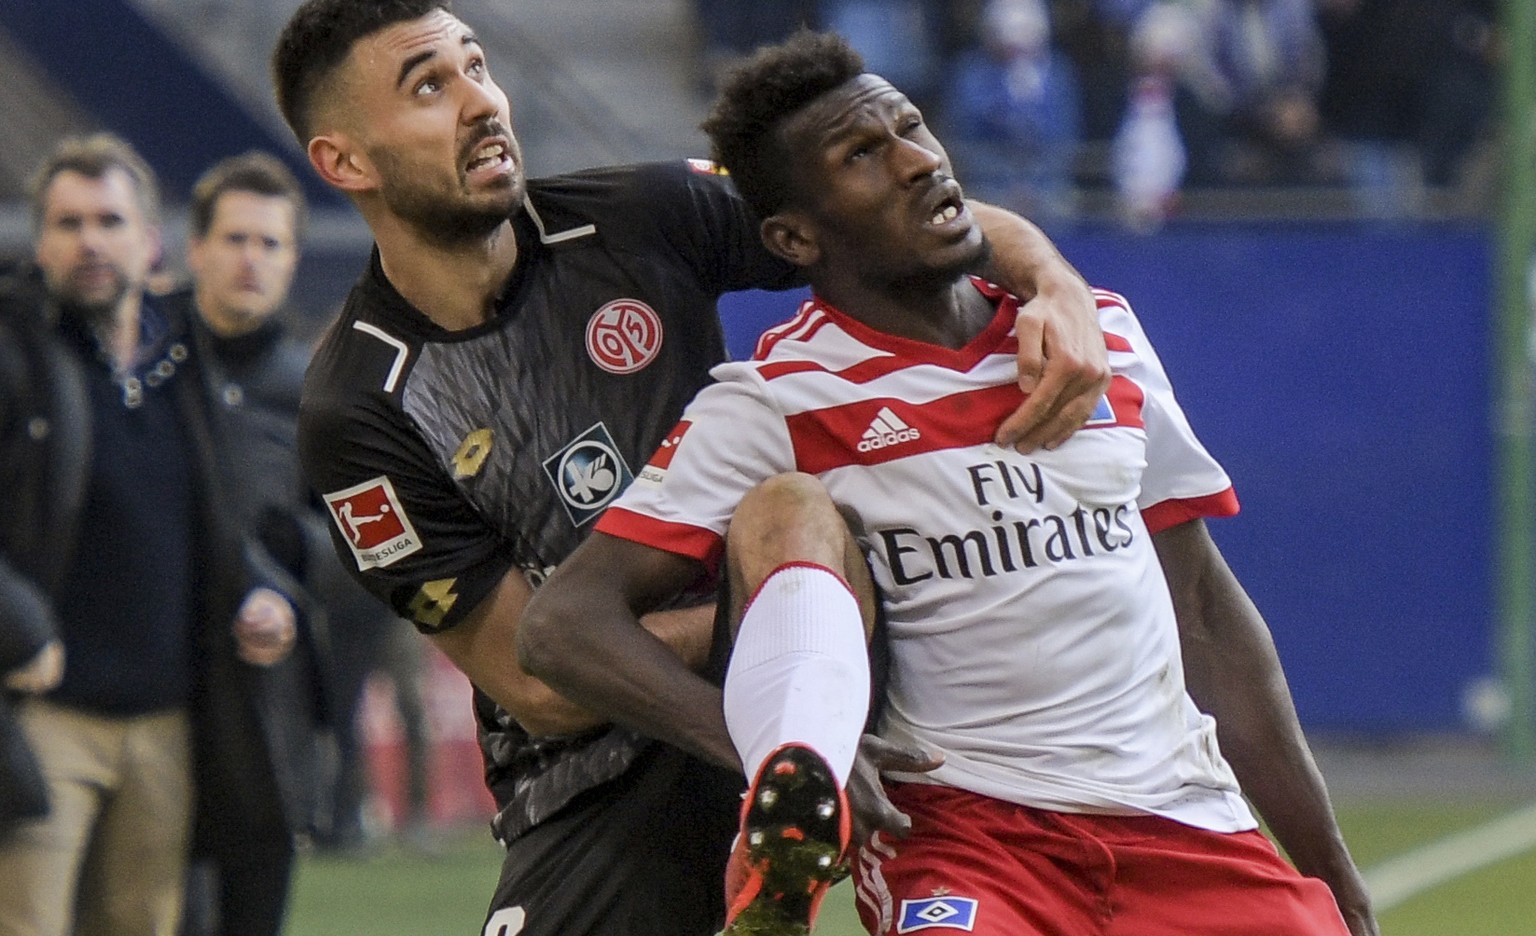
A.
pixel 396 893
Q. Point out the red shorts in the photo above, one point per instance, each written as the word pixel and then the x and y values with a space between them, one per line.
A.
pixel 974 864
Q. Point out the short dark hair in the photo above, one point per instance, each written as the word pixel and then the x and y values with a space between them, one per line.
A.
pixel 745 125
pixel 255 172
pixel 319 37
pixel 93 156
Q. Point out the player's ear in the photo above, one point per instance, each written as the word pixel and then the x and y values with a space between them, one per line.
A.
pixel 790 236
pixel 341 163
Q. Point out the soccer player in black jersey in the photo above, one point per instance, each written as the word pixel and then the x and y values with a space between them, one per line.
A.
pixel 515 349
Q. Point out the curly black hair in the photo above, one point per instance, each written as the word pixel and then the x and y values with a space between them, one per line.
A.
pixel 759 95
pixel 319 37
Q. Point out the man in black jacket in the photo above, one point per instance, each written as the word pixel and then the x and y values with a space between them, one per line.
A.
pixel 245 220
pixel 31 654
pixel 117 540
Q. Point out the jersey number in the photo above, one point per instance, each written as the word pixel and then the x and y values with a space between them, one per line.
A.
pixel 508 922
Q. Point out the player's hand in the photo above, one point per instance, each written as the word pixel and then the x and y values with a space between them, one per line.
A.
pixel 872 810
pixel 1063 368
pixel 1354 901
pixel 1361 923
pixel 41 673
pixel 265 628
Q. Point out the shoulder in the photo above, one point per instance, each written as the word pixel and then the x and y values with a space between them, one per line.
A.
pixel 637 183
pixel 629 198
pixel 1115 313
pixel 359 353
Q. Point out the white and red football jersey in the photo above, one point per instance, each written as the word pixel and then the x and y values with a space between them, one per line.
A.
pixel 1033 641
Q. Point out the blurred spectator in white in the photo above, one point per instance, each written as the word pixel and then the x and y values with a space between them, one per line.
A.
pixel 1269 55
pixel 1170 136
pixel 1014 113
pixel 1149 159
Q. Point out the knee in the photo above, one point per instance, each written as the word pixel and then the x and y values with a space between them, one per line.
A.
pixel 789 518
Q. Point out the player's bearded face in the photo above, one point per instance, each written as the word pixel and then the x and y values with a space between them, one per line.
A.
pixel 439 200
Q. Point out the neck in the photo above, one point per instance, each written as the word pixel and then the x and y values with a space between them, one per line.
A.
pixel 118 332
pixel 949 314
pixel 454 285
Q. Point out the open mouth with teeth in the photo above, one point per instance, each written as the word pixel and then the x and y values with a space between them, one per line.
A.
pixel 486 157
pixel 948 210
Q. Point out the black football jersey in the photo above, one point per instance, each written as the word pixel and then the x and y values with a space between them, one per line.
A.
pixel 448 457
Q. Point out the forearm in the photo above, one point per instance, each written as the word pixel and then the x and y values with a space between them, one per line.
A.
pixel 1063 364
pixel 636 676
pixel 1262 739
pixel 582 636
pixel 1024 261
pixel 687 632
pixel 1260 735
pixel 1233 673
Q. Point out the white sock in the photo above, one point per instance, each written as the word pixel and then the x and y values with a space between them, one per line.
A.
pixel 799 671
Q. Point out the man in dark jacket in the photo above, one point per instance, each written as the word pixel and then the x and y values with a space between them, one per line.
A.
pixel 31 654
pixel 117 534
pixel 245 220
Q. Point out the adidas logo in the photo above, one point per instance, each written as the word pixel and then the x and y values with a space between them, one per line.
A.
pixel 887 429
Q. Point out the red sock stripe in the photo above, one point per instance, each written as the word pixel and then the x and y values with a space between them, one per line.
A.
pixel 797 564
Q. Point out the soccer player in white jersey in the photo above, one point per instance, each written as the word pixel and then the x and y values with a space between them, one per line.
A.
pixel 1063 634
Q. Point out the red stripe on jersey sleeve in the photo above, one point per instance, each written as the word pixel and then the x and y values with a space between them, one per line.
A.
pixel 1171 513
pixel 681 538
pixel 1126 399
pixel 1116 343
pixel 784 368
pixel 1106 299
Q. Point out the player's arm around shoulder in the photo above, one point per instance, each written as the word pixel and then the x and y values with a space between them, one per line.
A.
pixel 485 646
pixel 1063 365
pixel 1233 673
pixel 583 634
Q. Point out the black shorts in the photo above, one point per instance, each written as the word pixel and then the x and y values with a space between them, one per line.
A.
pixel 643 855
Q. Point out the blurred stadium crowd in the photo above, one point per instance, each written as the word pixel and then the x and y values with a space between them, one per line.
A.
pixel 1047 104
pixel 1074 111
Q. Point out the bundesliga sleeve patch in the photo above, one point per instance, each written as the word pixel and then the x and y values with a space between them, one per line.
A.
pixel 952 913
pixel 373 523
pixel 655 471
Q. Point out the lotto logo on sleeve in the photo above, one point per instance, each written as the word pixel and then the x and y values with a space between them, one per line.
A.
pixel 656 469
pixel 373 523
pixel 951 913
